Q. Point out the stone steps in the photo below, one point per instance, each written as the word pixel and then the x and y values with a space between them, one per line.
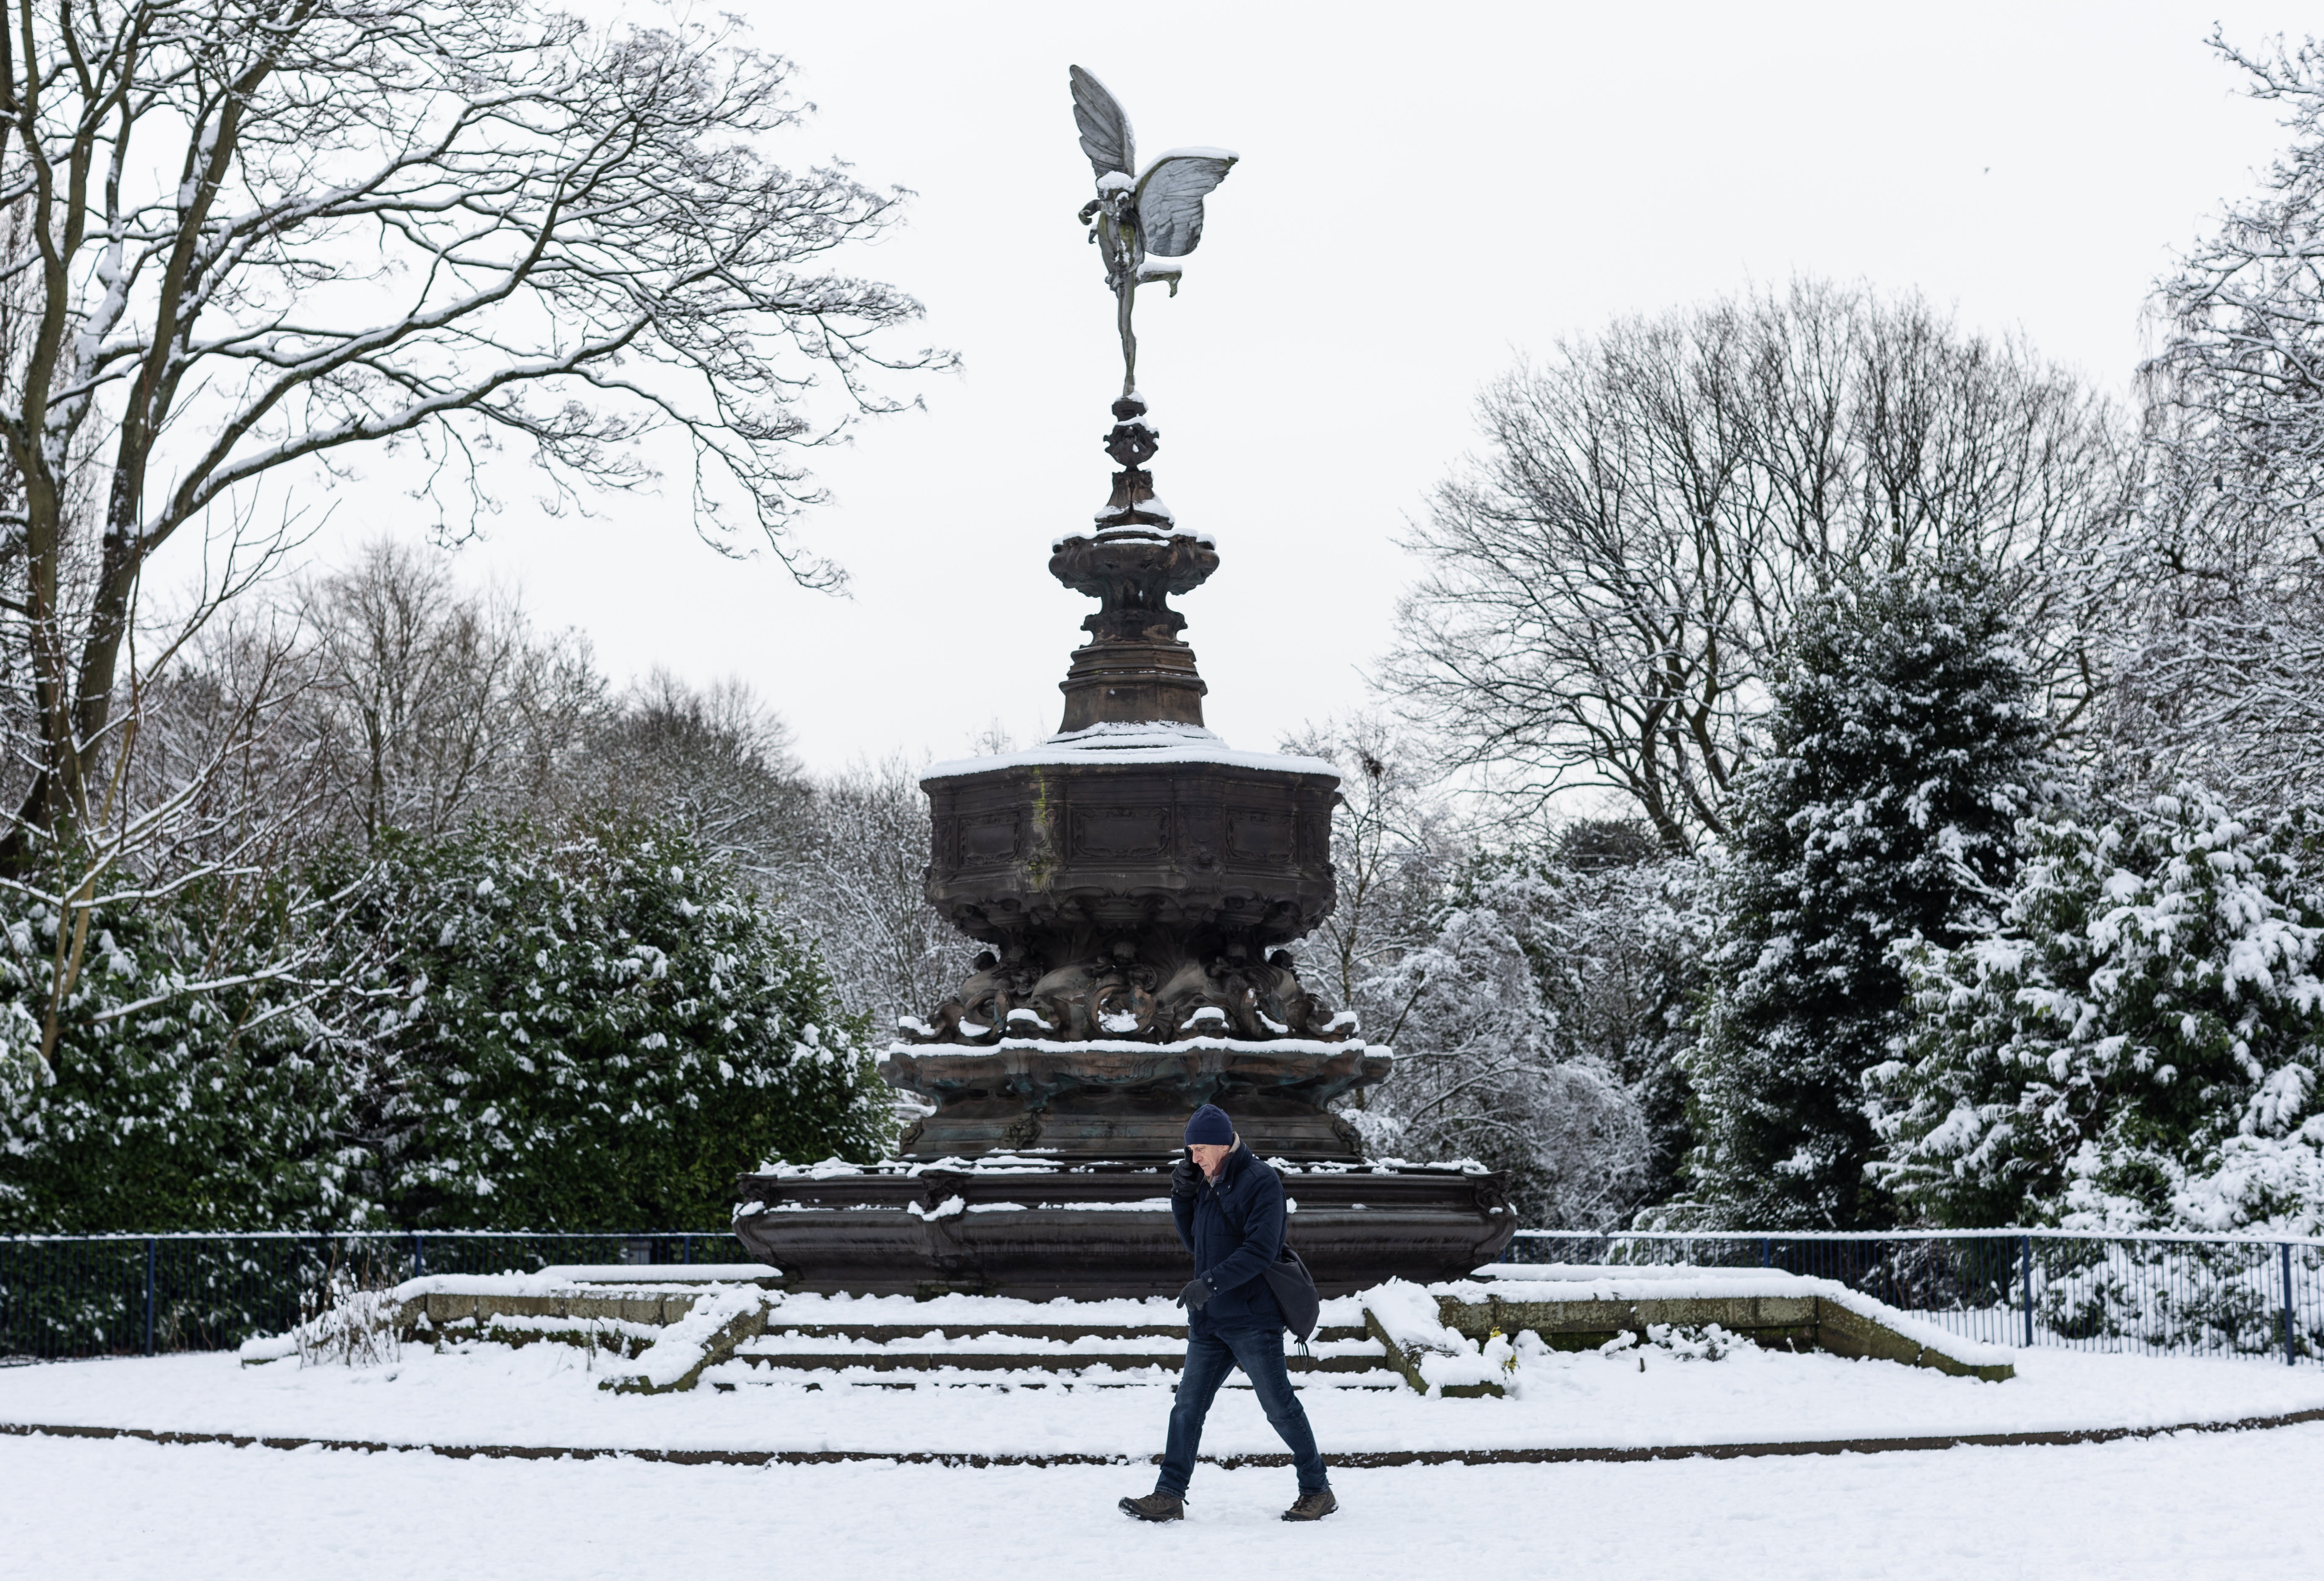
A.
pixel 1025 1355
pixel 972 1361
pixel 1456 1340
pixel 1162 1380
pixel 1172 1336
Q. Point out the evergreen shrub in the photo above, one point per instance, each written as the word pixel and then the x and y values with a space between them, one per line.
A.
pixel 1903 746
pixel 503 1027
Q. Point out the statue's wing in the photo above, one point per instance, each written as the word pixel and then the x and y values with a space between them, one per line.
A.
pixel 1105 130
pixel 1170 198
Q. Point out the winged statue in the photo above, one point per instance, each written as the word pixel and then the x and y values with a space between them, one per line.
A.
pixel 1145 222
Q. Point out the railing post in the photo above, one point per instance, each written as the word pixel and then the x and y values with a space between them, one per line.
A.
pixel 149 1295
pixel 2291 1355
pixel 2025 1274
pixel 419 1256
pixel 686 1248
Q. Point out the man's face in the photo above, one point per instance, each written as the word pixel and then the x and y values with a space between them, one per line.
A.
pixel 1209 1156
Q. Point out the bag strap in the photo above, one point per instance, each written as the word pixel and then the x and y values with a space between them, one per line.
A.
pixel 1241 1226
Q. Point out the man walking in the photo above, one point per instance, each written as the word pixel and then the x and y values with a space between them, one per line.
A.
pixel 1229 1212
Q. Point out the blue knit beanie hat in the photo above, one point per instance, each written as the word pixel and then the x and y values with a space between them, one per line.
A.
pixel 1210 1127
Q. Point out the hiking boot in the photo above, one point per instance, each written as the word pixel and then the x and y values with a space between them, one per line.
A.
pixel 1156 1506
pixel 1312 1506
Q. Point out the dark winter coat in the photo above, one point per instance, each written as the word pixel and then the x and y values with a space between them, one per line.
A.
pixel 1235 1229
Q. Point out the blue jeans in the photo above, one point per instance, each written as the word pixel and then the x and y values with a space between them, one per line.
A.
pixel 1210 1358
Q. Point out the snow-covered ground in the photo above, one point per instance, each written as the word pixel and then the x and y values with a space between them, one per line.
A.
pixel 2188 1508
pixel 546 1395
pixel 2184 1505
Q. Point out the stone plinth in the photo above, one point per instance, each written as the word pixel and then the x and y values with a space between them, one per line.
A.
pixel 1041 1227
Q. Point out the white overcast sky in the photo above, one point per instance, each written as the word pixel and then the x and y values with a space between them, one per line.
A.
pixel 1426 192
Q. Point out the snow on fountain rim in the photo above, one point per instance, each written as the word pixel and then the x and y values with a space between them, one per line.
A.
pixel 1116 1045
pixel 1040 1161
pixel 1161 741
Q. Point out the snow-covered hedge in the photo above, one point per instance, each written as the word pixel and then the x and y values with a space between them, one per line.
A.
pixel 2136 1045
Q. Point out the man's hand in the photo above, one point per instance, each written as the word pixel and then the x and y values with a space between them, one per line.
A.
pixel 1183 1178
pixel 1197 1292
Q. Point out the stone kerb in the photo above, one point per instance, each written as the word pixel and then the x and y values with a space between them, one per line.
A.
pixel 623 1314
pixel 444 1309
pixel 719 1320
pixel 1776 1322
pixel 1848 1333
pixel 1771 1309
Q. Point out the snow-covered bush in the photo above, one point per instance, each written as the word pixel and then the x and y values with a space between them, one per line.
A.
pixel 1532 1028
pixel 2136 1044
pixel 496 1028
pixel 347 1323
pixel 185 1087
pixel 1900 753
pixel 1536 993
pixel 1619 957
pixel 1680 1342
pixel 593 1031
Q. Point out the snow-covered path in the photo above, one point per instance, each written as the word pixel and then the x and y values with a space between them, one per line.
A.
pixel 2187 1508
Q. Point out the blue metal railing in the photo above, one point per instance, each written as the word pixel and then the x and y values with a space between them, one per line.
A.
pixel 75 1296
pixel 2155 1294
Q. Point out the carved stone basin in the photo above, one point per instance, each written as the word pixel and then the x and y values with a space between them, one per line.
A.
pixel 1043 1229
pixel 1177 849
pixel 1131 1101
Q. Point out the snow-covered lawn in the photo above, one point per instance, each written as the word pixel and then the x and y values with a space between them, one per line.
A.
pixel 2188 1508
pixel 2190 1505
pixel 546 1395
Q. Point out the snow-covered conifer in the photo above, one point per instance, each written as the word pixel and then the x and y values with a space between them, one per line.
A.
pixel 2136 1044
pixel 1900 753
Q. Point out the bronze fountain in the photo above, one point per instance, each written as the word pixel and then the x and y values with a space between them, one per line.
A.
pixel 1136 883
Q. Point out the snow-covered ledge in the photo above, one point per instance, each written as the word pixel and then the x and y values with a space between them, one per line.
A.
pixel 1578 1307
pixel 1162 741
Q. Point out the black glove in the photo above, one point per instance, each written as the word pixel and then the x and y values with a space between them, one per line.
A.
pixel 1183 1178
pixel 1197 1292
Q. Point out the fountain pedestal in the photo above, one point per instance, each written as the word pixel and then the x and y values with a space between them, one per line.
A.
pixel 1043 1227
pixel 1135 881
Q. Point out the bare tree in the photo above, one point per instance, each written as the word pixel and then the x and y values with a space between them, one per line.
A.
pixel 858 892
pixel 1608 582
pixel 269 234
pixel 435 703
pixel 1393 834
pixel 2245 355
pixel 2218 596
pixel 715 757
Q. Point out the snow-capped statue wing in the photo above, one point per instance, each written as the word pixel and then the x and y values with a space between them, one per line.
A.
pixel 1170 198
pixel 1104 128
